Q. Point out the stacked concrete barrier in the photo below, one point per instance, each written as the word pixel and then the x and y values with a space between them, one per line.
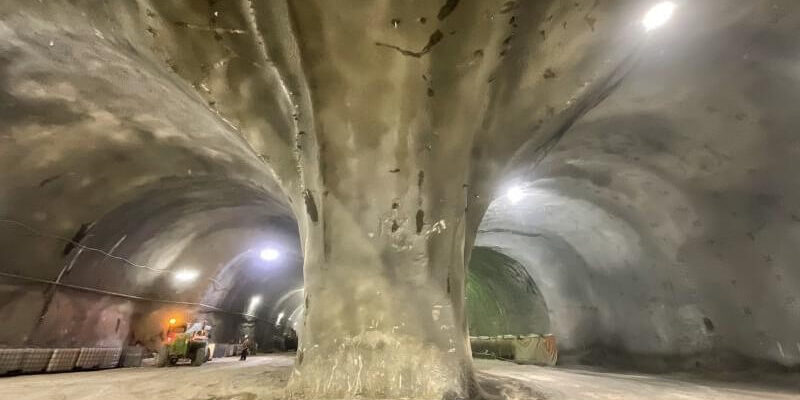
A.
pixel 220 350
pixel 11 360
pixel 132 356
pixel 63 360
pixel 36 360
pixel 523 349
pixel 90 358
pixel 111 357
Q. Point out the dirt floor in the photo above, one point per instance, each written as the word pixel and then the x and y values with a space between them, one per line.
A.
pixel 263 377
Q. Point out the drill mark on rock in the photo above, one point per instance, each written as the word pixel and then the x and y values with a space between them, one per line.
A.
pixel 420 178
pixel 48 180
pixel 590 20
pixel 395 226
pixel 511 231
pixel 475 58
pixel 430 92
pixel 394 171
pixel 549 74
pixel 420 220
pixel 187 25
pixel 76 239
pixel 708 324
pixel 311 206
pixel 435 38
pixel 508 7
pixel 446 9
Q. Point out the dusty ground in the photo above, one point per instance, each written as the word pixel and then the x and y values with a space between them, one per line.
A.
pixel 588 384
pixel 262 377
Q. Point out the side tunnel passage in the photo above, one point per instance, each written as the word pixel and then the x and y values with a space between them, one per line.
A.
pixel 223 252
pixel 502 298
pixel 507 314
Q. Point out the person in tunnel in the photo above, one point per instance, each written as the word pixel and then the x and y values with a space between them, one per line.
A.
pixel 245 348
pixel 290 341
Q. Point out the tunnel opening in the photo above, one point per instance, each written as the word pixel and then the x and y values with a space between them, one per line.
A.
pixel 502 298
pixel 507 314
pixel 185 250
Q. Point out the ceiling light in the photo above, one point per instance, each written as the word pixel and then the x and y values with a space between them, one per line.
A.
pixel 658 15
pixel 269 254
pixel 515 194
pixel 186 275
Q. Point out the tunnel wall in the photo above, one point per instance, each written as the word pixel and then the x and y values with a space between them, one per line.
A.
pixel 663 230
pixel 101 192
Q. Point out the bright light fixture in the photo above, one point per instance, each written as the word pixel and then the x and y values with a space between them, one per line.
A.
pixel 658 15
pixel 515 194
pixel 186 275
pixel 254 301
pixel 280 317
pixel 269 254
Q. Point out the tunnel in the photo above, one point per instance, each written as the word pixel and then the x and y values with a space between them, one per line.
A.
pixel 449 199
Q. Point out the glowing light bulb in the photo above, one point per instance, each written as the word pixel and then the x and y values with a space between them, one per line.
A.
pixel 658 15
pixel 186 275
pixel 269 254
pixel 515 194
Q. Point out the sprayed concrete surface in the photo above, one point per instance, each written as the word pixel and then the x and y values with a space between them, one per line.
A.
pixel 264 377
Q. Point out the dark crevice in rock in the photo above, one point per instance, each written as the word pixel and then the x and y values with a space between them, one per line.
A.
pixel 311 205
pixel 76 239
pixel 446 9
pixel 435 38
pixel 48 180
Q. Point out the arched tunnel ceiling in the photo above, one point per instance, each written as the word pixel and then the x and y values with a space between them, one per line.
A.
pixel 662 223
pixel 666 220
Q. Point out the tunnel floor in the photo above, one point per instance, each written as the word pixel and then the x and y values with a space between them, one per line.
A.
pixel 263 377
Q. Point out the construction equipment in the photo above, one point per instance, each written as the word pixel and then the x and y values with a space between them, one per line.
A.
pixel 185 341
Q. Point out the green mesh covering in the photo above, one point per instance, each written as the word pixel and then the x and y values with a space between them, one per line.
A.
pixel 502 298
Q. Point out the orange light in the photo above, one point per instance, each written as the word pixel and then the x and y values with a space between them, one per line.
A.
pixel 172 321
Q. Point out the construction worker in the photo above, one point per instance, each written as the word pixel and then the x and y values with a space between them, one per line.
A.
pixel 245 348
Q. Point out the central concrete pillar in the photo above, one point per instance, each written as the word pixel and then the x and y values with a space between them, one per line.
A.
pixel 402 136
pixel 384 298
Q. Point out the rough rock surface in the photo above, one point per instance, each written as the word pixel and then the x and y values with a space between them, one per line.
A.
pixel 141 138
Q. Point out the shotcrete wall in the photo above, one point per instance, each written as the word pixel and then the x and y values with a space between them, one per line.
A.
pixel 664 227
